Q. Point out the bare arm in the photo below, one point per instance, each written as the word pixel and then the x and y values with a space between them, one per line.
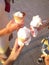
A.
pixel 8 62
pixel 10 27
pixel 3 32
pixel 14 54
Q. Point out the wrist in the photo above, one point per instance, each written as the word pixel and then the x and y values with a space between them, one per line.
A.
pixel 8 62
pixel 10 59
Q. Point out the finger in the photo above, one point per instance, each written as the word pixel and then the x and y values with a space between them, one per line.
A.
pixel 19 51
pixel 42 55
pixel 15 45
pixel 20 48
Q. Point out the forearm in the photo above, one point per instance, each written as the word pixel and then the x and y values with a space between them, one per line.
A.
pixel 6 30
pixel 3 31
pixel 8 62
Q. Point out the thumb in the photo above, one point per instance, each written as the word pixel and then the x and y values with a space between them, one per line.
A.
pixel 20 48
pixel 42 55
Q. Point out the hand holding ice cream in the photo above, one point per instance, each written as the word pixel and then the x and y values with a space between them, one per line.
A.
pixel 24 36
pixel 16 22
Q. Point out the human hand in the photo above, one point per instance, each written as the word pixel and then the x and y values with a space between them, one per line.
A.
pixel 46 59
pixel 14 54
pixel 15 51
pixel 12 26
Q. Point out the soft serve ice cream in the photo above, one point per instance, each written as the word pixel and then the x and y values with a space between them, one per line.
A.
pixel 24 36
pixel 34 24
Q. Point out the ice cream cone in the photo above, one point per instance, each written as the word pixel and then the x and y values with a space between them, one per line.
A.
pixel 18 17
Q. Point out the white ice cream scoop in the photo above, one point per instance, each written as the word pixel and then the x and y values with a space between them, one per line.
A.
pixel 18 14
pixel 34 24
pixel 36 21
pixel 24 36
